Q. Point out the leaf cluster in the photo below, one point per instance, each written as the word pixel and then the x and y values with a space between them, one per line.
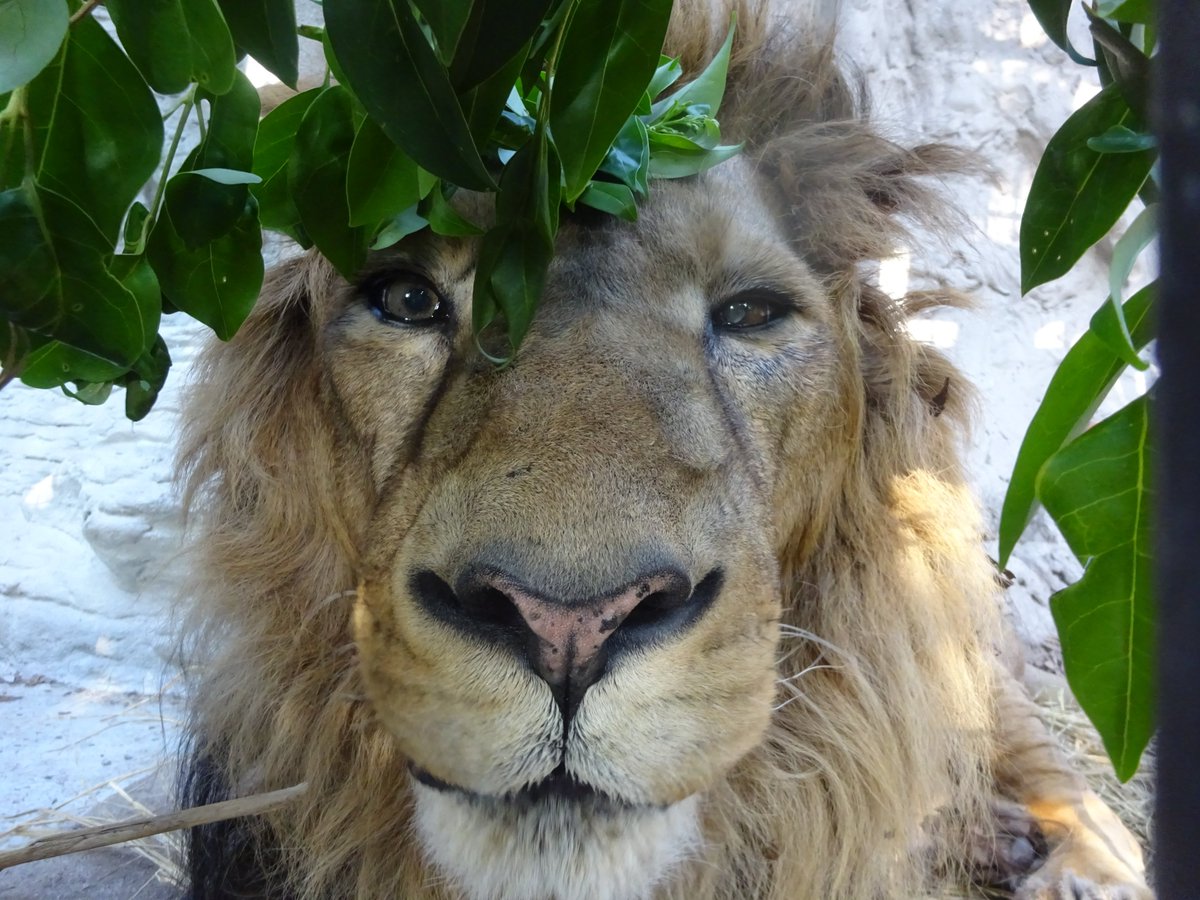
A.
pixel 545 103
pixel 1094 479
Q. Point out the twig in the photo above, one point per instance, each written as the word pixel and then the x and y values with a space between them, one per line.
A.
pixel 160 189
pixel 145 826
pixel 84 11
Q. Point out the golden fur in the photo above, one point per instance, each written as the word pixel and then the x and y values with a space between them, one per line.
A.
pixel 835 726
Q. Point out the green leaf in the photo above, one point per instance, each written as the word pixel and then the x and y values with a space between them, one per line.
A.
pixel 380 180
pixel 629 157
pixel 266 29
pixel 1077 194
pixel 176 42
pixel 14 348
pixel 137 276
pixel 401 226
pixel 609 55
pixel 446 19
pixel 1139 235
pixel 90 394
pixel 616 199
pixel 31 31
pixel 204 208
pixel 232 127
pixel 1128 66
pixel 217 283
pixel 317 179
pixel 52 364
pixel 512 130
pixel 687 132
pixel 272 149
pixel 331 60
pixel 143 385
pixel 496 31
pixel 227 176
pixel 706 89
pixel 668 72
pixel 1120 139
pixel 445 219
pixel 28 268
pixel 97 130
pixel 1052 15
pixel 515 255
pixel 483 104
pixel 1136 11
pixel 1098 489
pixel 672 163
pixel 54 278
pixel 1080 383
pixel 402 85
pixel 135 222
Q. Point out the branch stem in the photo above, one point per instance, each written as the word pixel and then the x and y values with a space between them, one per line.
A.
pixel 543 115
pixel 16 115
pixel 161 189
pixel 145 826
pixel 84 11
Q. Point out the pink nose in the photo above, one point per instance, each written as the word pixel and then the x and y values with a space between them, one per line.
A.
pixel 567 642
pixel 570 637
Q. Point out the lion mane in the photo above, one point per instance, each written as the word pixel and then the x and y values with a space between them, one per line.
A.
pixel 879 751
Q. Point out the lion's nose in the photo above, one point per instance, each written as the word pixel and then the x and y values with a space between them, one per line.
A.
pixel 567 639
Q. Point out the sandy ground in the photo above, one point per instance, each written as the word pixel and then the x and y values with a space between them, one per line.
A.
pixel 88 696
pixel 74 755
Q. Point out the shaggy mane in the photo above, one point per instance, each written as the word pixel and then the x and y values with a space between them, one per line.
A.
pixel 885 672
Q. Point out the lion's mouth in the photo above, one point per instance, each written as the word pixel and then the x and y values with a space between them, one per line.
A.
pixel 558 786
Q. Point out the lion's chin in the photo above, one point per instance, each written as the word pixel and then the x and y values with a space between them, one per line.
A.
pixel 553 847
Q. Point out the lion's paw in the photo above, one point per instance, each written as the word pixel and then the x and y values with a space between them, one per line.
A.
pixel 1069 886
pixel 1096 858
pixel 1009 850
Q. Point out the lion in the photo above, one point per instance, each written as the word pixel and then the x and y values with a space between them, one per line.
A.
pixel 689 601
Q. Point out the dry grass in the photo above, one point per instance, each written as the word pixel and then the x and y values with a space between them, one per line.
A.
pixel 137 793
pixel 1134 801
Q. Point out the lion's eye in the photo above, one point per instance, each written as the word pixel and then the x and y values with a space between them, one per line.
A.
pixel 752 309
pixel 407 299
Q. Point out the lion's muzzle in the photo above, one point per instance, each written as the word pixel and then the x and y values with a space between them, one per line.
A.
pixel 567 641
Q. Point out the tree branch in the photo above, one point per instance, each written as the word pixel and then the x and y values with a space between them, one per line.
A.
pixel 145 826
pixel 84 11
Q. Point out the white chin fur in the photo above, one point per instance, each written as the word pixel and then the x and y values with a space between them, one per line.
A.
pixel 554 849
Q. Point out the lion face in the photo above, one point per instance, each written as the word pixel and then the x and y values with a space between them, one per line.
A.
pixel 571 594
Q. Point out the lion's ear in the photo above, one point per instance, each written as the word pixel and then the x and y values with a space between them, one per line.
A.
pixel 256 433
pixel 897 180
pixel 850 196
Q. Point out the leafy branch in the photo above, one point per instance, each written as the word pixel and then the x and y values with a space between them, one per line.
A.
pixel 1094 479
pixel 425 98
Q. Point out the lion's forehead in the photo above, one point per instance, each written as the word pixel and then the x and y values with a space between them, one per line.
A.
pixel 694 241
pixel 621 380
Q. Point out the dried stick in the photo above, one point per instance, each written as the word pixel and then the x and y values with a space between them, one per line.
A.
pixel 145 826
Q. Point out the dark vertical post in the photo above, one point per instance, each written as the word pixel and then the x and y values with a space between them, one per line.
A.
pixel 1177 424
